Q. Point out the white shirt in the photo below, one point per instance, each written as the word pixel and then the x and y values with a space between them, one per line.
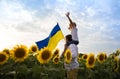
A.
pixel 74 63
pixel 74 34
pixel 74 50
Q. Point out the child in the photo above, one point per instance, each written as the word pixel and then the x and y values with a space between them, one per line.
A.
pixel 71 43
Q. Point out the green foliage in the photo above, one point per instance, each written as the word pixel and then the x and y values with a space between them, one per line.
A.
pixel 32 69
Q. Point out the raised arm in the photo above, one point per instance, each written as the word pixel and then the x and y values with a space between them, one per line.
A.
pixel 72 24
pixel 69 17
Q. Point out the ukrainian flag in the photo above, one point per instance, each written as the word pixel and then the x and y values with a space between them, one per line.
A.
pixel 52 40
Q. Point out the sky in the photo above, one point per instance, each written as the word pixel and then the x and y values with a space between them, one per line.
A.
pixel 28 21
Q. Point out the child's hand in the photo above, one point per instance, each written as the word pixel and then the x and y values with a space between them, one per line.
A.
pixel 67 14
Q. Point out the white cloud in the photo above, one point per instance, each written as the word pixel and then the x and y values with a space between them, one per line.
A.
pixel 92 26
pixel 26 26
pixel 14 13
pixel 90 12
pixel 22 25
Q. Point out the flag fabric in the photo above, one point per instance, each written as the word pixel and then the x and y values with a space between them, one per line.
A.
pixel 52 40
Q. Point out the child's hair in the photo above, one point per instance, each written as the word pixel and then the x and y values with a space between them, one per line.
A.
pixel 74 24
pixel 68 37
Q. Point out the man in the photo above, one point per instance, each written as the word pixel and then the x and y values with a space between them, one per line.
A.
pixel 71 43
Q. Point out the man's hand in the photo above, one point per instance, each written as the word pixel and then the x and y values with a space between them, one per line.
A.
pixel 65 48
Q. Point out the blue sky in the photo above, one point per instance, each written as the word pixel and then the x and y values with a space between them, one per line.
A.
pixel 28 21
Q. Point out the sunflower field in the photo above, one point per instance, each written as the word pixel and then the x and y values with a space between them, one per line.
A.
pixel 22 62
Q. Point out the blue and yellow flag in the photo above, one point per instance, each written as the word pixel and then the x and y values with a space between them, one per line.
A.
pixel 52 40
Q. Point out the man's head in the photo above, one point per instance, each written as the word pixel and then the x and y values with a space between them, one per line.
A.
pixel 72 25
pixel 68 38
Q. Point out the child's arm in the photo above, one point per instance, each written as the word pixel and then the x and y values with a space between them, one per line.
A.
pixel 69 17
pixel 72 24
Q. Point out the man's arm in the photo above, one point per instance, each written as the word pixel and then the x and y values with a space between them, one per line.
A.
pixel 69 17
pixel 65 48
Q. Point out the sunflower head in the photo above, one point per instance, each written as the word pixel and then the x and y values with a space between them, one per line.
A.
pixel 116 65
pixel 68 56
pixel 117 53
pixel 78 58
pixel 19 53
pixel 44 55
pixel 101 57
pixel 112 56
pixel 56 52
pixel 56 59
pixel 7 51
pixel 80 54
pixel 105 56
pixel 84 56
pixel 90 61
pixel 3 57
pixel 33 48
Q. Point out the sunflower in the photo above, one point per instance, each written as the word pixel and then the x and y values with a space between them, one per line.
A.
pixel 112 56
pixel 80 54
pixel 3 57
pixel 116 67
pixel 7 51
pixel 44 55
pixel 56 52
pixel 101 57
pixel 117 53
pixel 19 53
pixel 84 56
pixel 68 56
pixel 56 59
pixel 90 61
pixel 33 48
pixel 105 56
pixel 78 58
